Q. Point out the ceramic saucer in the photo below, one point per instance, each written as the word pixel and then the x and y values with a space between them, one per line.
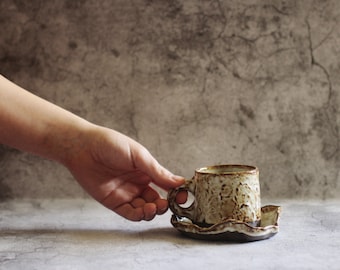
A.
pixel 232 230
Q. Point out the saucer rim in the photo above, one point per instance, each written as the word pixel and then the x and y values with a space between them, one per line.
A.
pixel 230 227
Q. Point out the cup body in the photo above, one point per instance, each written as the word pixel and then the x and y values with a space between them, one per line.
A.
pixel 221 192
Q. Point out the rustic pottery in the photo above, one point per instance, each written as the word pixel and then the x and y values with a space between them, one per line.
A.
pixel 232 230
pixel 221 192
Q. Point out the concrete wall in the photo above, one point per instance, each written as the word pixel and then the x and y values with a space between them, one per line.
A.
pixel 197 82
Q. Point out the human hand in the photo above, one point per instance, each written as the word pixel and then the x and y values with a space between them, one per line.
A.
pixel 117 172
pixel 112 168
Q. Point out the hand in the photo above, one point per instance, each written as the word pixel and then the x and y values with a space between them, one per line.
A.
pixel 117 172
pixel 112 168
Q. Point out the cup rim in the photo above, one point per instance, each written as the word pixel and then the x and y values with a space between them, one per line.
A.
pixel 223 169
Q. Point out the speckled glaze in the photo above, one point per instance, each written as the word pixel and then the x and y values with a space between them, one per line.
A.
pixel 221 192
pixel 232 230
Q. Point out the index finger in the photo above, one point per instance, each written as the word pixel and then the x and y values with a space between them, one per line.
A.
pixel 162 177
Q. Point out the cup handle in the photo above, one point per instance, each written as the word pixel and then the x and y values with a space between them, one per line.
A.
pixel 188 212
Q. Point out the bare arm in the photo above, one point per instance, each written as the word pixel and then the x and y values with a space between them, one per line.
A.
pixel 32 124
pixel 112 168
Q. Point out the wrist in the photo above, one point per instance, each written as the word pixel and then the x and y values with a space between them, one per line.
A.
pixel 63 143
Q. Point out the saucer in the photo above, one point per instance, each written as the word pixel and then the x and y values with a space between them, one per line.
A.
pixel 232 230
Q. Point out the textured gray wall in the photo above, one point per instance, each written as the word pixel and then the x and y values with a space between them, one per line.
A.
pixel 196 82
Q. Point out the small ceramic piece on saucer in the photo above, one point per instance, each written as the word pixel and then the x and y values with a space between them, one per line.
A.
pixel 232 230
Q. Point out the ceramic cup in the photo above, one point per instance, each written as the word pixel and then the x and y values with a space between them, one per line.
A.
pixel 221 192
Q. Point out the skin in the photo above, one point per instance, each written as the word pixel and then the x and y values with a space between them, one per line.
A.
pixel 114 169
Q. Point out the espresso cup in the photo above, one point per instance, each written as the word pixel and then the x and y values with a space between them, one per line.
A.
pixel 220 193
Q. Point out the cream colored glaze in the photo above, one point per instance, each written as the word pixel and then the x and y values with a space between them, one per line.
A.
pixel 221 196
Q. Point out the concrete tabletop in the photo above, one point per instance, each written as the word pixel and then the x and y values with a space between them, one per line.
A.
pixel 81 234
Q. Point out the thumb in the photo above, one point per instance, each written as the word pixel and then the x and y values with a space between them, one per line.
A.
pixel 162 177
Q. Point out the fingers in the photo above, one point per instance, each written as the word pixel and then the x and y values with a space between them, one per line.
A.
pixel 139 209
pixel 144 161
pixel 145 207
pixel 182 197
pixel 162 206
pixel 130 212
pixel 151 196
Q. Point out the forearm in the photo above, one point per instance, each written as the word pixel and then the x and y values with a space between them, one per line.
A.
pixel 32 124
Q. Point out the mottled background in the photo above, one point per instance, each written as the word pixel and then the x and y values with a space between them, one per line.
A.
pixel 197 82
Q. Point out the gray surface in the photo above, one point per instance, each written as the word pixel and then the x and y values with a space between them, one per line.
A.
pixel 80 234
pixel 197 82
